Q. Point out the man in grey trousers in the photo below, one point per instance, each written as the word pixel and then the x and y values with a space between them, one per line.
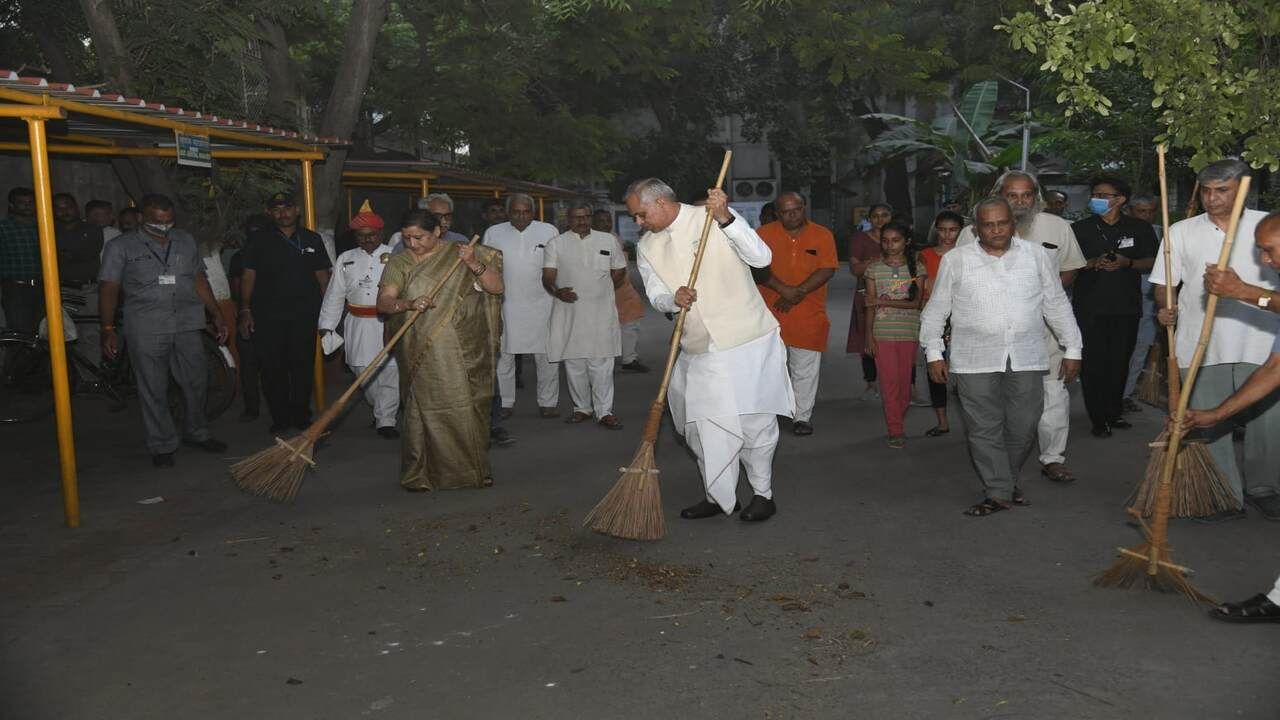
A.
pixel 166 296
pixel 998 293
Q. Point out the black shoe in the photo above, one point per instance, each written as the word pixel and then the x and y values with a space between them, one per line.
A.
pixel 388 432
pixel 1101 431
pixel 278 428
pixel 500 437
pixel 162 460
pixel 1220 517
pixel 247 416
pixel 704 509
pixel 207 445
pixel 802 428
pixel 634 366
pixel 1131 405
pixel 1268 505
pixel 1120 424
pixel 759 510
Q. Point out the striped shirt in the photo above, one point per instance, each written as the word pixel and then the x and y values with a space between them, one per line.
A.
pixel 894 283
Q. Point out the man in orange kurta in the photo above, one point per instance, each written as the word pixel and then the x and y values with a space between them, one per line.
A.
pixel 804 259
pixel 630 306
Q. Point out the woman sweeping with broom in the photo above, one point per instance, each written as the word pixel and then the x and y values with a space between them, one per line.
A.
pixel 446 357
pixel 730 380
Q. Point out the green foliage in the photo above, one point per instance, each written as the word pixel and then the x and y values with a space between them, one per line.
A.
pixel 1212 66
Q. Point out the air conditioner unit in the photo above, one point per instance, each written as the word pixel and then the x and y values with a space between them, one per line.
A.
pixel 755 189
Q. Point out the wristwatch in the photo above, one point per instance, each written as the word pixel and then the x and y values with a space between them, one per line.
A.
pixel 1265 301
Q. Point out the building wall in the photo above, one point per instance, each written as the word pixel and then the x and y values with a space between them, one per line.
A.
pixel 85 179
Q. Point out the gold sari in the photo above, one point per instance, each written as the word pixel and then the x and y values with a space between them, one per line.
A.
pixel 446 362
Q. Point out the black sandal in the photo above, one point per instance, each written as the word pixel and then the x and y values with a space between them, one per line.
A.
pixel 1019 499
pixel 936 431
pixel 985 508
pixel 1257 609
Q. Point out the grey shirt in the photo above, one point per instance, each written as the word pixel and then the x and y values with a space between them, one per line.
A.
pixel 158 281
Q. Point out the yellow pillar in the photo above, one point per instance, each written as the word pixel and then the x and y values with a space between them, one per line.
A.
pixel 309 208
pixel 426 187
pixel 542 214
pixel 53 311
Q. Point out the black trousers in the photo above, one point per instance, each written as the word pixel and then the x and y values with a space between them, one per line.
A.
pixel 250 384
pixel 1108 345
pixel 286 349
pixel 23 305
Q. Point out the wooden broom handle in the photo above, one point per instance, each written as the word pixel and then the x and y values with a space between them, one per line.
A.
pixel 374 364
pixel 1160 519
pixel 1172 372
pixel 654 421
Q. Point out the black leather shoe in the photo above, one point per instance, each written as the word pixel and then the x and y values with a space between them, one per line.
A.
pixel 208 445
pixel 388 432
pixel 162 460
pixel 1120 424
pixel 1101 431
pixel 802 428
pixel 704 509
pixel 759 510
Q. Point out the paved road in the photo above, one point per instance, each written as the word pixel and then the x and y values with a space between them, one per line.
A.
pixel 869 595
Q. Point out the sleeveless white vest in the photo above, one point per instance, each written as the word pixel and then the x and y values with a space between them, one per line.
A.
pixel 729 310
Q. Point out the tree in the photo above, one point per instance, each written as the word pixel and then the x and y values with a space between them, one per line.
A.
pixel 1213 66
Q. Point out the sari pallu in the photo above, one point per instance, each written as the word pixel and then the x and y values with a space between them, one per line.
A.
pixel 446 362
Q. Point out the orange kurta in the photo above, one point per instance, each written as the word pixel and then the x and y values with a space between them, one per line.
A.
pixel 794 260
pixel 630 306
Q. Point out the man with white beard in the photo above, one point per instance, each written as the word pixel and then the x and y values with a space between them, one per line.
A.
pixel 1054 234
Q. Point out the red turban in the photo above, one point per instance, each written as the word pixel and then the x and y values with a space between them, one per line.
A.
pixel 366 219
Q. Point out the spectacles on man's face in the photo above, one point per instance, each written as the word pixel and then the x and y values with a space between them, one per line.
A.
pixel 443 216
pixel 1105 196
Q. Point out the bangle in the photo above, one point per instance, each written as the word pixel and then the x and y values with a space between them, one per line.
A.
pixel 246 311
pixel 108 327
pixel 481 271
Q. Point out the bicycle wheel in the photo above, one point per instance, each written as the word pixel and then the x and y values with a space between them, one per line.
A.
pixel 222 378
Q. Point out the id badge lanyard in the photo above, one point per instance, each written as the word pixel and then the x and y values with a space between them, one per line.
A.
pixel 165 278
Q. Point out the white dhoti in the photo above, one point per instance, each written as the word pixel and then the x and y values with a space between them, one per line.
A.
pixel 804 366
pixel 590 385
pixel 548 380
pixel 726 402
pixel 382 391
pixel 1055 419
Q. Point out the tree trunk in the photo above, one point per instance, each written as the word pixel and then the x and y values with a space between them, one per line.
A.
pixel 108 45
pixel 283 96
pixel 345 100
pixel 53 46
pixel 113 61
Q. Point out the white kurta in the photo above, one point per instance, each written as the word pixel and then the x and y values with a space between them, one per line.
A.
pixel 526 305
pixel 587 327
pixel 715 390
pixel 355 281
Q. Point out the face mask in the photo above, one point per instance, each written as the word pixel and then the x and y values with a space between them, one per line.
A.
pixel 159 228
pixel 1099 206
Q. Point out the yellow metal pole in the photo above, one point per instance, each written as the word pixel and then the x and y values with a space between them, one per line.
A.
pixel 309 200
pixel 426 187
pixel 542 213
pixel 53 311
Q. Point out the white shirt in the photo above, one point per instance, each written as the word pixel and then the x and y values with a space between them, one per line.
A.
pixel 998 307
pixel 1046 228
pixel 1241 333
pixel 217 276
pixel 526 305
pixel 355 280
pixel 587 327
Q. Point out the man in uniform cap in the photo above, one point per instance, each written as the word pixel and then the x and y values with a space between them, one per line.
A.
pixel 286 269
pixel 354 287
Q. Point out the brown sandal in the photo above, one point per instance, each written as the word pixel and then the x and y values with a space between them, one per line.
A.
pixel 577 417
pixel 610 422
pixel 987 507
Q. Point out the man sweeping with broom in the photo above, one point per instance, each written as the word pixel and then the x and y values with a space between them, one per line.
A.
pixel 1241 339
pixel 730 380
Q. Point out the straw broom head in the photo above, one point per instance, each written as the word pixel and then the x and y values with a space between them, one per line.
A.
pixel 1198 487
pixel 1132 570
pixel 633 507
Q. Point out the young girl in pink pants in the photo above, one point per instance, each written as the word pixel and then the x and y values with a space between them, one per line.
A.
pixel 894 290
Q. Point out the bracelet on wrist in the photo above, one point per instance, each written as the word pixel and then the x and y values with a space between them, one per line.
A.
pixel 479 272
pixel 108 327
pixel 246 311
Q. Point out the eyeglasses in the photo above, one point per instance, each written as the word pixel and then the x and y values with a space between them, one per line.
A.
pixel 1107 196
pixel 443 216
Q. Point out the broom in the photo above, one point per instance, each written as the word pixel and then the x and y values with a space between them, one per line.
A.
pixel 1150 562
pixel 632 509
pixel 1198 488
pixel 1152 384
pixel 276 473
